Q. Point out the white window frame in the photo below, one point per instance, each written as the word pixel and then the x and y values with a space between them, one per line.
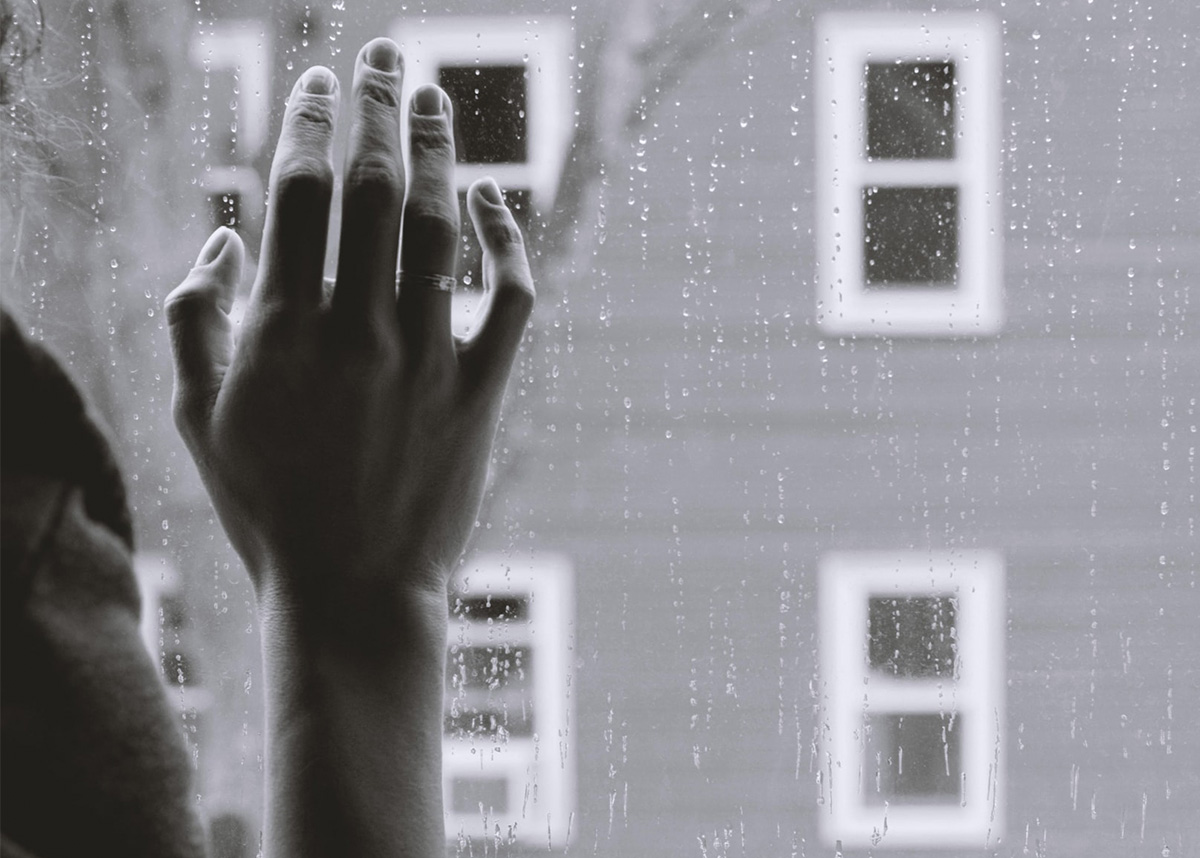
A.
pixel 851 691
pixel 846 42
pixel 544 45
pixel 158 578
pixel 240 46
pixel 539 770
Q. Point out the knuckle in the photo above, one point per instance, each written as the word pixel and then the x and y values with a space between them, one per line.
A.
pixel 505 235
pixel 518 295
pixel 377 88
pixel 430 222
pixel 185 302
pixel 303 177
pixel 312 113
pixel 376 172
pixel 430 139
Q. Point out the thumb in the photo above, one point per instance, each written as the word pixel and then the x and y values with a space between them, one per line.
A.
pixel 201 333
pixel 508 282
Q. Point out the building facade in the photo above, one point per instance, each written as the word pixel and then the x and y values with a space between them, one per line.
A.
pixel 855 429
pixel 846 497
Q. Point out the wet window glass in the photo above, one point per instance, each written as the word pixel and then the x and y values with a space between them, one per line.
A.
pixel 908 138
pixel 912 636
pixel 489 691
pixel 845 492
pixel 489 112
pixel 910 110
pixel 917 758
pixel 910 236
pixel 476 795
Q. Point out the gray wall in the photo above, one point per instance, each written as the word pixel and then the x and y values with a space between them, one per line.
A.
pixel 693 443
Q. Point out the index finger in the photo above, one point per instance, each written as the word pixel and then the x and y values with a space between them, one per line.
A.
pixel 300 188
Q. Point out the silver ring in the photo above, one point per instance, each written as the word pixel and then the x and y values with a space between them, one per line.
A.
pixel 437 282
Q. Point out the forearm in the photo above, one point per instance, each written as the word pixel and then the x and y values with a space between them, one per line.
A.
pixel 354 732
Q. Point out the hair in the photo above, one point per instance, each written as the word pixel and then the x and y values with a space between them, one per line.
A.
pixel 21 28
pixel 33 135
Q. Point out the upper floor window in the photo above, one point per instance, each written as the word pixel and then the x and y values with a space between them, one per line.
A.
pixel 908 175
pixel 913 672
pixel 508 758
pixel 234 115
pixel 510 82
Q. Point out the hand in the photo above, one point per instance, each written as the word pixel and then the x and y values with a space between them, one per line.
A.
pixel 344 436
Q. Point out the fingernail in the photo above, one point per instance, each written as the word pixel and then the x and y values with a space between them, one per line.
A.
pixel 490 191
pixel 318 80
pixel 213 247
pixel 383 55
pixel 427 101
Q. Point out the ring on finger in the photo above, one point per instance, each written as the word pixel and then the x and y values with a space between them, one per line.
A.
pixel 436 282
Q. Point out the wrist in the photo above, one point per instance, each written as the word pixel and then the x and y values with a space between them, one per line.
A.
pixel 343 613
pixel 354 726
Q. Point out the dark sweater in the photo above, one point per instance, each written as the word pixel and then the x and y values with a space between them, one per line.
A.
pixel 93 761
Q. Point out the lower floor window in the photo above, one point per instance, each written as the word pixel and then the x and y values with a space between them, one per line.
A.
pixel 912 680
pixel 508 761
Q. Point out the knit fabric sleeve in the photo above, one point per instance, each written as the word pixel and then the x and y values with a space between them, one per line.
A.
pixel 94 761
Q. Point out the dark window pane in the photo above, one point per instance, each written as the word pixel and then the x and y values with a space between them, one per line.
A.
pixel 913 759
pixel 913 637
pixel 910 110
pixel 910 236
pixel 489 112
pixel 179 668
pixel 174 614
pixel 470 260
pixel 499 608
pixel 471 795
pixel 489 692
pixel 225 208
pixel 232 837
pixel 489 667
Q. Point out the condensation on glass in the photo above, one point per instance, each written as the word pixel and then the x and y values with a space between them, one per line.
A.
pixel 912 662
pixel 961 450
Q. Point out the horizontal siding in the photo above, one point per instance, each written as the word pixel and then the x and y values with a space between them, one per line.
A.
pixel 695 555
pixel 678 540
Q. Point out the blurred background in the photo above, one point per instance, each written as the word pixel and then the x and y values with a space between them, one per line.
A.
pixel 845 500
